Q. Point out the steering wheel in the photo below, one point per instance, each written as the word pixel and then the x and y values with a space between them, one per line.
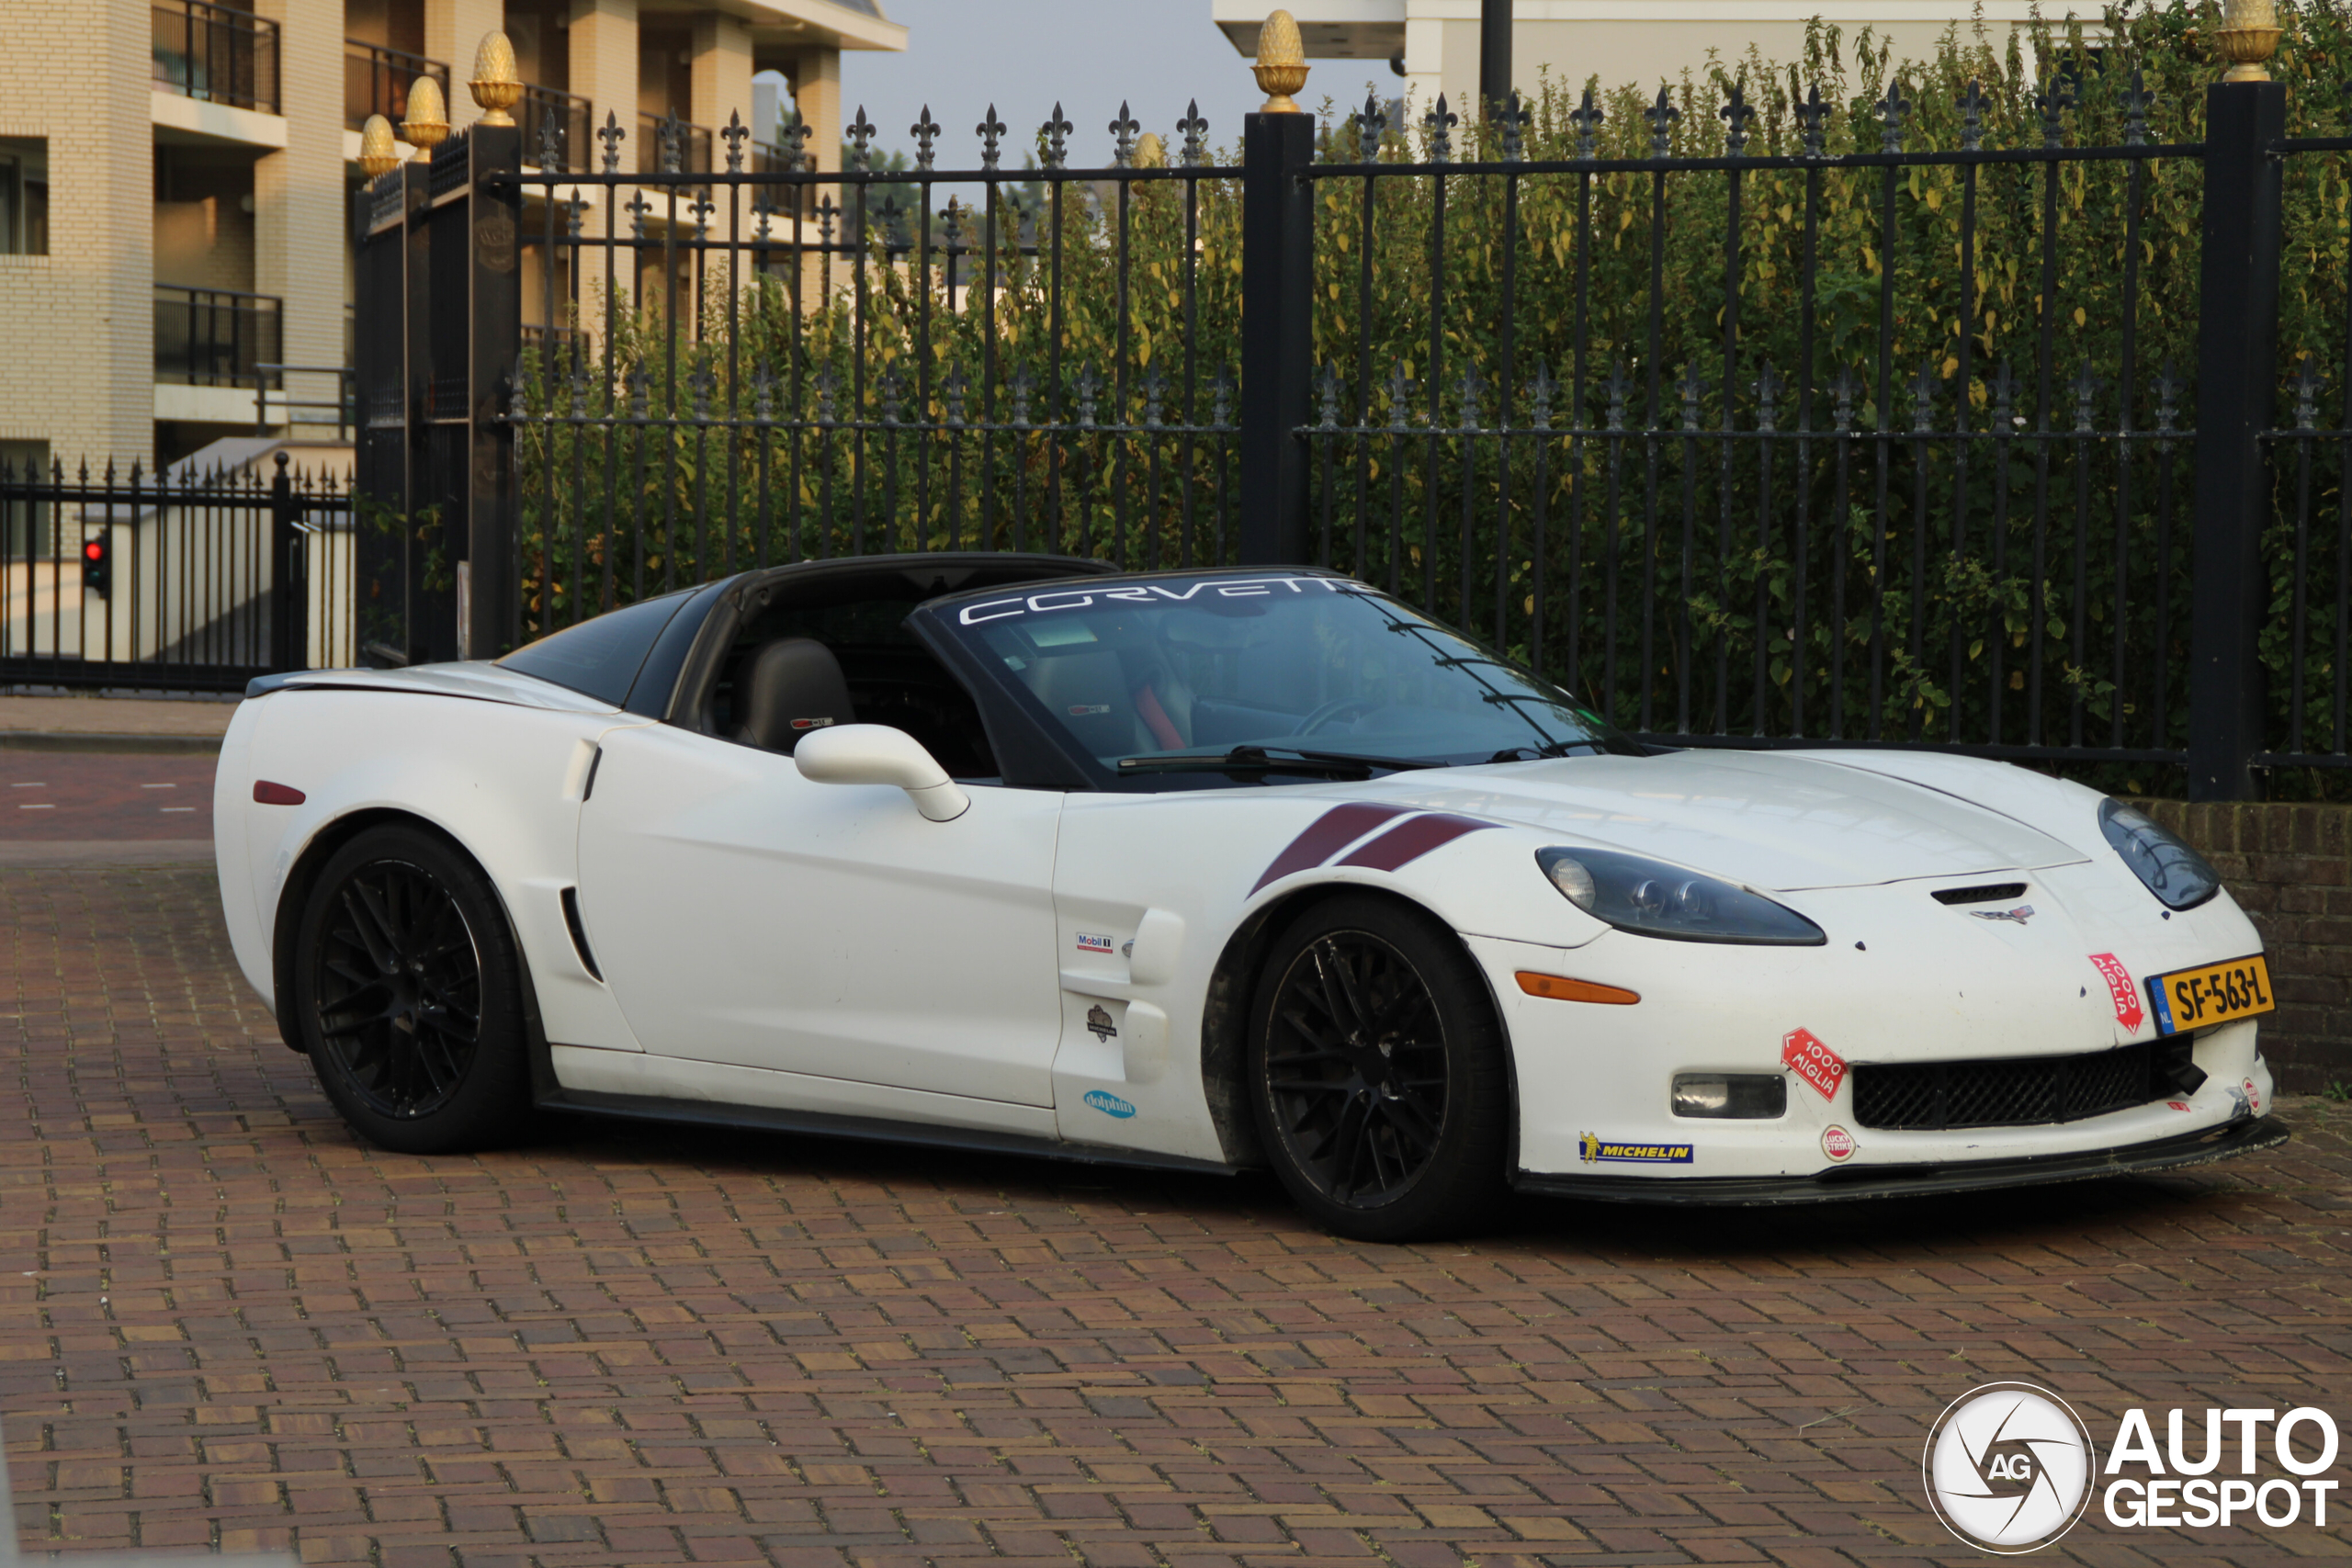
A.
pixel 1330 712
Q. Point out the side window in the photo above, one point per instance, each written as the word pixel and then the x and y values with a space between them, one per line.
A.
pixel 24 195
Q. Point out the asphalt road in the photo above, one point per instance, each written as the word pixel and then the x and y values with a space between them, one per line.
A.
pixel 57 796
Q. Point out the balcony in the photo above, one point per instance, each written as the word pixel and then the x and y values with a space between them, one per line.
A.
pixel 694 144
pixel 216 56
pixel 375 81
pixel 570 116
pixel 214 337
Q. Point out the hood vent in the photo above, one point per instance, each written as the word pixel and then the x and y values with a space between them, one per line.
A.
pixel 1992 893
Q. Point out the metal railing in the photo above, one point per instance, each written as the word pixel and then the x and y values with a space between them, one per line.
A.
pixel 214 337
pixel 212 53
pixel 275 404
pixel 376 80
pixel 667 143
pixel 205 578
pixel 569 116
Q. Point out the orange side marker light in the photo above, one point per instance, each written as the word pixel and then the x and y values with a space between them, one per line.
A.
pixel 268 794
pixel 1560 989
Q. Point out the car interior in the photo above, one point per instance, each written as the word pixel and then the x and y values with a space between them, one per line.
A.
pixel 817 648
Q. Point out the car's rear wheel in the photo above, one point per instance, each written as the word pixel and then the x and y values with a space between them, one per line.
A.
pixel 408 996
pixel 1377 1073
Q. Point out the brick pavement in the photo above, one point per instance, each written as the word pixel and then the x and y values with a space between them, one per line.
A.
pixel 222 1320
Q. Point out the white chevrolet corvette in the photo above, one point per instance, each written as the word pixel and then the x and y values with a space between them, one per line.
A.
pixel 1209 870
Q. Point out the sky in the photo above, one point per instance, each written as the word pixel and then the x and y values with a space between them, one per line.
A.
pixel 1026 54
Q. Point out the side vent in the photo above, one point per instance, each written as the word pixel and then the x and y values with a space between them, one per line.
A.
pixel 1995 893
pixel 578 934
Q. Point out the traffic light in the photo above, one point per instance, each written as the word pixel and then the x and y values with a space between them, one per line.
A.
pixel 97 566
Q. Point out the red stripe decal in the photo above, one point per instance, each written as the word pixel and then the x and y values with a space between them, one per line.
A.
pixel 1327 836
pixel 1408 841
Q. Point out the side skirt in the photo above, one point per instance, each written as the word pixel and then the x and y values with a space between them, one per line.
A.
pixel 761 1118
pixel 1846 1183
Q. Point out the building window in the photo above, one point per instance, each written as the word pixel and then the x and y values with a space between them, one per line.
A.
pixel 24 195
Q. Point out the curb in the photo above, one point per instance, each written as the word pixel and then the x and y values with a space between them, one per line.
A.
pixel 65 854
pixel 73 741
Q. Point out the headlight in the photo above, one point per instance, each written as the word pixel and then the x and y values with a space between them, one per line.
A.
pixel 2176 874
pixel 1652 899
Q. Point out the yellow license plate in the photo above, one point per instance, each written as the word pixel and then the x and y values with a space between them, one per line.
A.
pixel 2210 994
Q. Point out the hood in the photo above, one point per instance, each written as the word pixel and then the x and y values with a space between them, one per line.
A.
pixel 478 680
pixel 1771 820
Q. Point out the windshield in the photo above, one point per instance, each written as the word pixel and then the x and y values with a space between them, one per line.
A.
pixel 1147 677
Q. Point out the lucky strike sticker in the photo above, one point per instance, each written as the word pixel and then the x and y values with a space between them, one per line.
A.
pixel 1816 1064
pixel 2119 990
pixel 1838 1144
pixel 2253 1097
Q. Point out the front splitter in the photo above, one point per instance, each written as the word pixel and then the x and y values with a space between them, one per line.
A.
pixel 1841 1184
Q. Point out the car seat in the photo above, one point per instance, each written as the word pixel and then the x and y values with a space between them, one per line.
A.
pixel 789 687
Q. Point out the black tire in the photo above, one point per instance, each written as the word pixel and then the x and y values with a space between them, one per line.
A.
pixel 1377 1073
pixel 408 996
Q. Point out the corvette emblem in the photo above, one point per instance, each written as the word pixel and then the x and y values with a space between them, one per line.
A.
pixel 2022 914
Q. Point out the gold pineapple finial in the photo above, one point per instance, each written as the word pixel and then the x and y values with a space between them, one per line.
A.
pixel 2247 37
pixel 428 118
pixel 377 155
pixel 496 83
pixel 1282 63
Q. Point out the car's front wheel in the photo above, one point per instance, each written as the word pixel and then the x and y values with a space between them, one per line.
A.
pixel 407 992
pixel 1377 1073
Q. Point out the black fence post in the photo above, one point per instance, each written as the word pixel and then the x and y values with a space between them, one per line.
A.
pixel 2237 376
pixel 289 642
pixel 493 619
pixel 1277 343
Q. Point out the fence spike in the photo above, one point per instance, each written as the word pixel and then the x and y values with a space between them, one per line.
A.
pixel 672 144
pixel 1767 387
pixel 1469 396
pixel 955 389
pixel 2054 105
pixel 1195 130
pixel 989 131
pixel 2167 392
pixel 1893 113
pixel 764 215
pixel 550 145
pixel 1736 113
pixel 1090 388
pixel 1154 392
pixel 1661 115
pixel 1618 386
pixel 637 210
pixel 925 132
pixel 1439 122
pixel 794 146
pixel 1221 398
pixel 1813 117
pixel 861 139
pixel 2087 386
pixel 1400 399
pixel 2137 100
pixel 1845 390
pixel 1326 395
pixel 1372 129
pixel 735 133
pixel 1693 389
pixel 893 387
pixel 826 383
pixel 2308 380
pixel 952 224
pixel 1923 398
pixel 1514 121
pixel 1972 116
pixel 1056 131
pixel 575 213
pixel 763 392
pixel 612 136
pixel 702 207
pixel 1539 397
pixel 1587 119
pixel 1122 131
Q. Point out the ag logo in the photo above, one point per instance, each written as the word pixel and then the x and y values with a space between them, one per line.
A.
pixel 2008 1468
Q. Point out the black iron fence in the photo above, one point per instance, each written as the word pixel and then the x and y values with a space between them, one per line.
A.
pixel 181 580
pixel 376 80
pixel 1892 421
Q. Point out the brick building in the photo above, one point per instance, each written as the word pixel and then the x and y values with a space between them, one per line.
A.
pixel 176 176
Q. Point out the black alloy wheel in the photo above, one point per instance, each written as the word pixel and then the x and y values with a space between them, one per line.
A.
pixel 407 986
pixel 1378 1073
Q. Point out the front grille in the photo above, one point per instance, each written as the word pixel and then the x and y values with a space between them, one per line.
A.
pixel 2018 1091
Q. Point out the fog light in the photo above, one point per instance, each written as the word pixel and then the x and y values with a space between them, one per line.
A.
pixel 1753 1097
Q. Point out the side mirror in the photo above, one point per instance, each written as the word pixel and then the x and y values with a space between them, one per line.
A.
pixel 878 754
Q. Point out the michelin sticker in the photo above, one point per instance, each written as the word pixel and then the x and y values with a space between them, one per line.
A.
pixel 1596 1149
pixel 1110 1104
